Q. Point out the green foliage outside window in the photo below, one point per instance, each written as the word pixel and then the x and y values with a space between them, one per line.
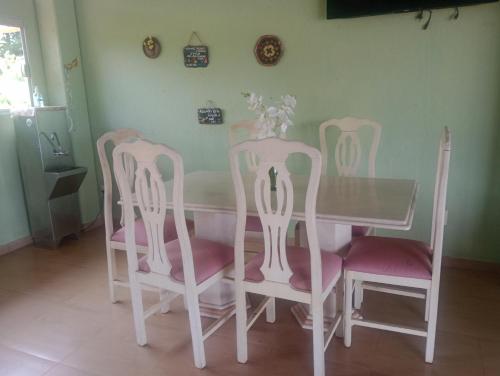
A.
pixel 14 86
pixel 11 44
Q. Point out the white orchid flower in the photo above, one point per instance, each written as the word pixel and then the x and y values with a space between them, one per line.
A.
pixel 272 120
pixel 254 102
pixel 289 101
pixel 272 112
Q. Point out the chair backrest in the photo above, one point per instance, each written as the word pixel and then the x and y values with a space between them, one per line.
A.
pixel 439 208
pixel 275 208
pixel 248 129
pixel 151 198
pixel 115 137
pixel 348 151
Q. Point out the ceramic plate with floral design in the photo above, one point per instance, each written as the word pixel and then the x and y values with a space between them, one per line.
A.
pixel 268 50
pixel 151 47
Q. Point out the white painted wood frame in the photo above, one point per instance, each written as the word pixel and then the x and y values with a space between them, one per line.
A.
pixel 275 211
pixel 242 131
pixel 348 156
pixel 114 138
pixel 430 288
pixel 151 197
pixel 348 151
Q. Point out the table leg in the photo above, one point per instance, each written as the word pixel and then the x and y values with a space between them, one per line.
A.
pixel 220 227
pixel 332 237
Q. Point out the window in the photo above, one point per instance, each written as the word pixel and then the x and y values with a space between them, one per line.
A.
pixel 14 81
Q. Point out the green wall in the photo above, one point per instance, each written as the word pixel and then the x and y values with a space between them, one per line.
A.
pixel 412 81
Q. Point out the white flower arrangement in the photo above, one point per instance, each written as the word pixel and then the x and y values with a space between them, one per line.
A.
pixel 272 121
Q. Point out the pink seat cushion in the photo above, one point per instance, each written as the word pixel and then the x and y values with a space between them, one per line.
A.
pixel 300 263
pixel 208 257
pixel 253 224
pixel 389 256
pixel 359 230
pixel 141 238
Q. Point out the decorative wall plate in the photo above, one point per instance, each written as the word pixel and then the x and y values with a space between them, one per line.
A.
pixel 268 50
pixel 151 47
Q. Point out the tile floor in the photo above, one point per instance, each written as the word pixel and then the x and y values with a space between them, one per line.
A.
pixel 56 320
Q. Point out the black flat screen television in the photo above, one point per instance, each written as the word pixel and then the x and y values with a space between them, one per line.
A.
pixel 360 8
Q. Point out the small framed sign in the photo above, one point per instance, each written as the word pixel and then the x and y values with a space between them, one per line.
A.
pixel 195 56
pixel 210 116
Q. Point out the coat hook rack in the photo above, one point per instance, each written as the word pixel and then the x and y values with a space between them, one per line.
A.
pixel 420 17
pixel 455 14
pixel 425 26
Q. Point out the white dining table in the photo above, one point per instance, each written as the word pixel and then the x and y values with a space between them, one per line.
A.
pixel 342 202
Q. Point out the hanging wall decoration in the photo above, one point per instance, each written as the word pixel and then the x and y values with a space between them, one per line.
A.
pixel 151 47
pixel 210 114
pixel 195 55
pixel 268 50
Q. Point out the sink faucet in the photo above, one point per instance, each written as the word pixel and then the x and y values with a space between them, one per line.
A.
pixel 53 140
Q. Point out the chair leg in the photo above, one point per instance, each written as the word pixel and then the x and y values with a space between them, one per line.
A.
pixel 241 325
pixel 339 304
pixel 431 328
pixel 196 330
pixel 358 295
pixel 271 311
pixel 164 306
pixel 318 338
pixel 348 310
pixel 427 305
pixel 138 312
pixel 110 254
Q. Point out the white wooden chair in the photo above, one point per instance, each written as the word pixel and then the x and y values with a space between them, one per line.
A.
pixel 348 151
pixel 247 130
pixel 348 155
pixel 115 237
pixel 298 274
pixel 403 263
pixel 185 266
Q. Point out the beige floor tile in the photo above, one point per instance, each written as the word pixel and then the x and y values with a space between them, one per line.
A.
pixel 54 334
pixel 61 370
pixel 19 308
pixel 490 353
pixel 363 348
pixel 115 351
pixel 17 363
